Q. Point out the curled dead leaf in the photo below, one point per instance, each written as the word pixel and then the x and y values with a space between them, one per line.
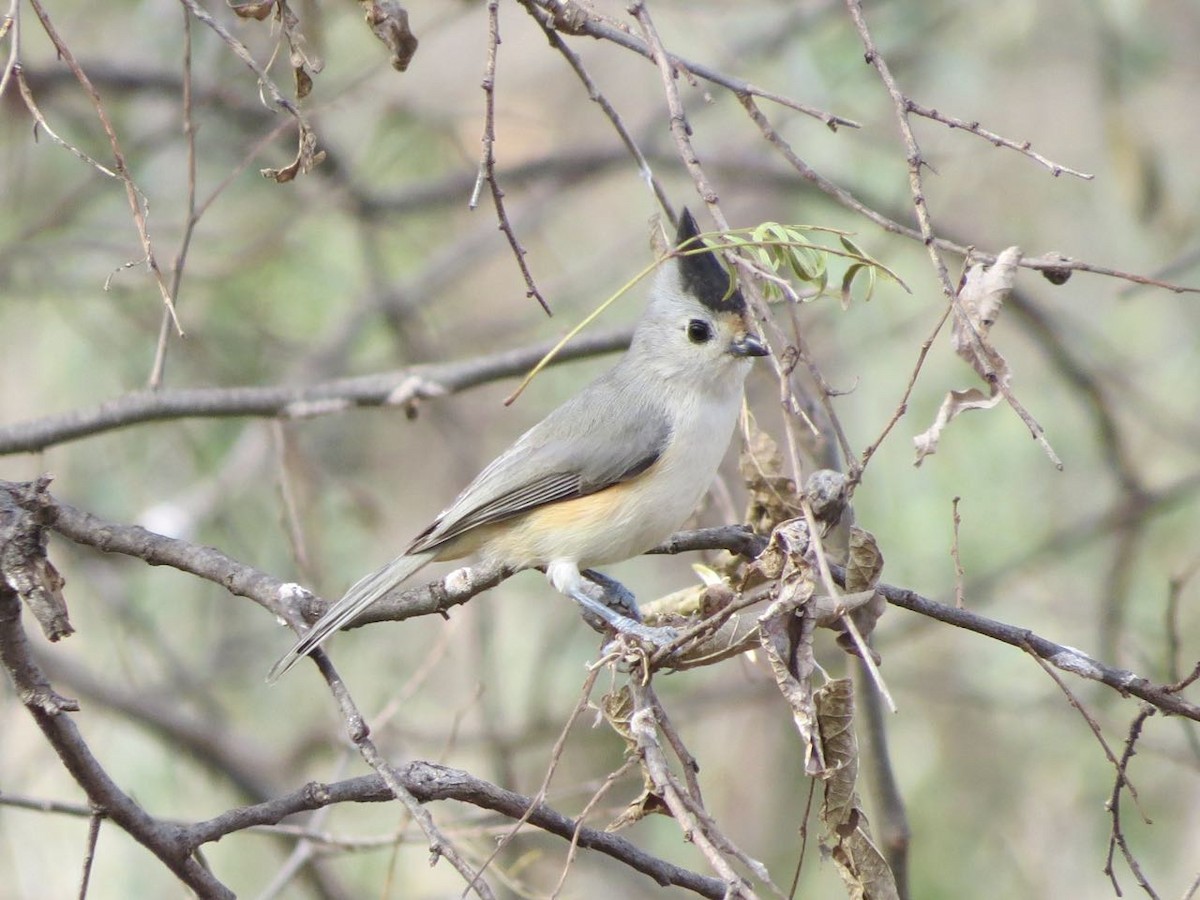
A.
pixel 388 20
pixel 25 567
pixel 787 643
pixel 308 157
pixel 981 298
pixel 860 863
pixel 785 555
pixel 304 82
pixel 252 9
pixel 825 491
pixel 864 565
pixel 773 496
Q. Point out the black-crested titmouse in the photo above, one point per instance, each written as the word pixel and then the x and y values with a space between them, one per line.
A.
pixel 612 472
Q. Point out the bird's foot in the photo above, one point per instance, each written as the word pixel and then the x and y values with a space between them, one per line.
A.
pixel 608 603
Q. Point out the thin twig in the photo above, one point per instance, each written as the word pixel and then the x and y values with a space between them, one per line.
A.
pixel 570 18
pixel 487 164
pixel 292 525
pixel 1092 724
pixel 975 128
pixel 959 574
pixel 11 25
pixel 859 467
pixel 1117 835
pixel 812 793
pixel 643 728
pixel 138 204
pixel 89 854
pixel 572 851
pixel 1049 262
pixel 687 761
pixel 189 227
pixel 240 50
pixel 440 847
pixel 691 796
pixel 556 753
pixel 543 19
pixel 680 129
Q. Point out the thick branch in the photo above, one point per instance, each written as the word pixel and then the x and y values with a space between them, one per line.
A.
pixel 428 782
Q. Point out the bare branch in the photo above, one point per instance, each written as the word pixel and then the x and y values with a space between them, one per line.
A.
pixel 49 711
pixel 1068 659
pixel 429 782
pixel 1023 147
pixel 571 18
pixel 406 388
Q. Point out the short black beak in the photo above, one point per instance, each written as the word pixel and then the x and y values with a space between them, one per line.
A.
pixel 749 345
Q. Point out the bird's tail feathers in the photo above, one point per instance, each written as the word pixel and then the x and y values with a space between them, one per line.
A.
pixel 362 594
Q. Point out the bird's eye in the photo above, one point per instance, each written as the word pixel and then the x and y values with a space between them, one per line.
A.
pixel 699 331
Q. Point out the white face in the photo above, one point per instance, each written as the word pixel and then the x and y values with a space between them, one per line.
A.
pixel 680 337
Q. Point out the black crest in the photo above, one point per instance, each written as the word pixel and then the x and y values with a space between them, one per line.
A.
pixel 703 275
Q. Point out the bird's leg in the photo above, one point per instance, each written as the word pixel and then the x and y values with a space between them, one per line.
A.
pixel 597 594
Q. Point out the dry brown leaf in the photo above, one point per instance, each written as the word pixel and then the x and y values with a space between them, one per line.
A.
pixel 981 297
pixel 789 541
pixel 617 707
pixel 834 703
pixel 773 497
pixel 863 868
pixel 647 803
pixel 301 61
pixel 252 9
pixel 864 565
pixel 825 491
pixel 388 20
pixel 786 630
pixel 308 157
pixel 864 871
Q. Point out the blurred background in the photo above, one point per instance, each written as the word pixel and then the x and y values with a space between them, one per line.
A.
pixel 374 262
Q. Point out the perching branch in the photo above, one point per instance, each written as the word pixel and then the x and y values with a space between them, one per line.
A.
pixel 460 586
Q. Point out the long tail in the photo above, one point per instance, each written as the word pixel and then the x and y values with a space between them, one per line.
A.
pixel 362 594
